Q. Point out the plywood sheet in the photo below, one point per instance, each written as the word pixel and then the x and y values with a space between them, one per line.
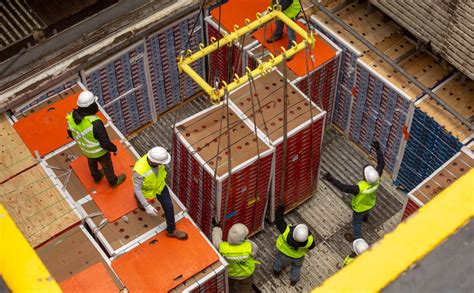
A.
pixel 93 279
pixel 207 133
pixel 162 263
pixel 234 12
pixel 394 47
pixel 14 155
pixel 321 52
pixel 46 130
pixel 113 202
pixel 36 206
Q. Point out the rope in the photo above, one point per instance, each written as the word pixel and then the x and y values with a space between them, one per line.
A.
pixel 285 129
pixel 229 160
pixel 311 114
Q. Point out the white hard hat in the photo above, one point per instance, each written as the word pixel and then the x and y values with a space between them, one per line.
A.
pixel 359 245
pixel 300 233
pixel 85 99
pixel 371 175
pixel 159 155
pixel 237 234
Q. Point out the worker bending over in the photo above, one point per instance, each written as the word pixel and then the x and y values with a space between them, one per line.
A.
pixel 149 176
pixel 358 246
pixel 364 193
pixel 239 252
pixel 291 8
pixel 89 132
pixel 292 244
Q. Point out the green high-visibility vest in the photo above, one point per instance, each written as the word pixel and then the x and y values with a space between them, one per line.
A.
pixel 365 200
pixel 348 260
pixel 84 136
pixel 293 10
pixel 153 184
pixel 291 251
pixel 240 259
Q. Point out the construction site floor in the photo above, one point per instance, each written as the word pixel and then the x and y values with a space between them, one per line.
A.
pixel 328 213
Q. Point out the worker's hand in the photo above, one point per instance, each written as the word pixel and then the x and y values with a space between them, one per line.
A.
pixel 151 210
pixel 376 145
pixel 215 223
pixel 328 177
pixel 115 153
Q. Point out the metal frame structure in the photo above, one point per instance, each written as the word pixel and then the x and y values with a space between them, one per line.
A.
pixel 216 94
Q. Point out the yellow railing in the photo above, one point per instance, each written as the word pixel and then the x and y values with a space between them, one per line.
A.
pixel 216 93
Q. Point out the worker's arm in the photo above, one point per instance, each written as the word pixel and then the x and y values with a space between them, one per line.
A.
pixel 254 248
pixel 346 188
pixel 101 135
pixel 380 158
pixel 137 188
pixel 313 245
pixel 69 134
pixel 283 3
pixel 279 219
pixel 216 236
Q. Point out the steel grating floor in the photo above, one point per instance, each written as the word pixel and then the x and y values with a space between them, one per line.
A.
pixel 328 212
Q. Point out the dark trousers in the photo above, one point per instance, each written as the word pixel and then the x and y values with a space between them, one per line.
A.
pixel 243 285
pixel 106 163
pixel 167 204
pixel 357 219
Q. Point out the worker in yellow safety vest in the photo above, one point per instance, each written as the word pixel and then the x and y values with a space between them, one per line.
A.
pixel 291 8
pixel 292 244
pixel 240 253
pixel 364 193
pixel 149 176
pixel 358 247
pixel 87 129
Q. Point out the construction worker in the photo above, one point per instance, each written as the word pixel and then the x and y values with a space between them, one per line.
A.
pixel 290 8
pixel 239 252
pixel 149 176
pixel 364 193
pixel 358 246
pixel 292 244
pixel 89 132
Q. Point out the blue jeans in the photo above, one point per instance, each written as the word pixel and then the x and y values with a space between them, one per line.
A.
pixel 167 204
pixel 357 223
pixel 279 32
pixel 282 261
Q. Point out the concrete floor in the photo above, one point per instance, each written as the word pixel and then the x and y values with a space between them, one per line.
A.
pixel 328 212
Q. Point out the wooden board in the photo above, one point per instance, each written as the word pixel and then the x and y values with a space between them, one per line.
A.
pixel 460 97
pixel 71 253
pixel 93 279
pixel 14 155
pixel 270 89
pixel 394 46
pixel 36 206
pixel 205 134
pixel 162 263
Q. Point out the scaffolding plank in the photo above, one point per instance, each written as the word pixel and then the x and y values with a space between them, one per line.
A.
pixel 93 279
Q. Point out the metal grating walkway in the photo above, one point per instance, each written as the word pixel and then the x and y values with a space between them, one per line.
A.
pixel 328 212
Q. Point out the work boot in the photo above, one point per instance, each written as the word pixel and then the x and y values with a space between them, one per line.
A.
pixel 349 237
pixel 293 283
pixel 273 39
pixel 180 235
pixel 120 180
pixel 276 273
pixel 102 174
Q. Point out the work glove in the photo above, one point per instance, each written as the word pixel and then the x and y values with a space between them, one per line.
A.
pixel 376 145
pixel 214 223
pixel 151 210
pixel 328 177
pixel 115 153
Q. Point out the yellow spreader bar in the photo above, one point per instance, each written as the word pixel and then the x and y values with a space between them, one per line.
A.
pixel 409 242
pixel 20 267
pixel 264 67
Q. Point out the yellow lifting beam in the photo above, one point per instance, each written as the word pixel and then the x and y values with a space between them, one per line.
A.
pixel 265 67
pixel 20 267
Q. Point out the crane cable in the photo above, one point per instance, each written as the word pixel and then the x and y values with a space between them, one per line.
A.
pixel 229 158
pixel 285 130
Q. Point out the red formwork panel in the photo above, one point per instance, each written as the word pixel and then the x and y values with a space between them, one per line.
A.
pixel 215 284
pixel 305 133
pixel 410 208
pixel 199 144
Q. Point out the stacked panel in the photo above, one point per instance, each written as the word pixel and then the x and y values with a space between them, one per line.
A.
pixel 121 86
pixel 202 179
pixel 435 134
pixel 305 121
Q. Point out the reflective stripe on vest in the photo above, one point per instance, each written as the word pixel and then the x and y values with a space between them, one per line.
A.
pixel 240 259
pixel 348 260
pixel 83 134
pixel 291 251
pixel 153 184
pixel 365 200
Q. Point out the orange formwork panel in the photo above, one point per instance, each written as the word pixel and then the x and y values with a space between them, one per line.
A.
pixel 46 130
pixel 322 51
pixel 162 263
pixel 93 279
pixel 234 12
pixel 113 202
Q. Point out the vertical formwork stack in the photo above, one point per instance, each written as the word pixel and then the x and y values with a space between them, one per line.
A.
pixel 202 179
